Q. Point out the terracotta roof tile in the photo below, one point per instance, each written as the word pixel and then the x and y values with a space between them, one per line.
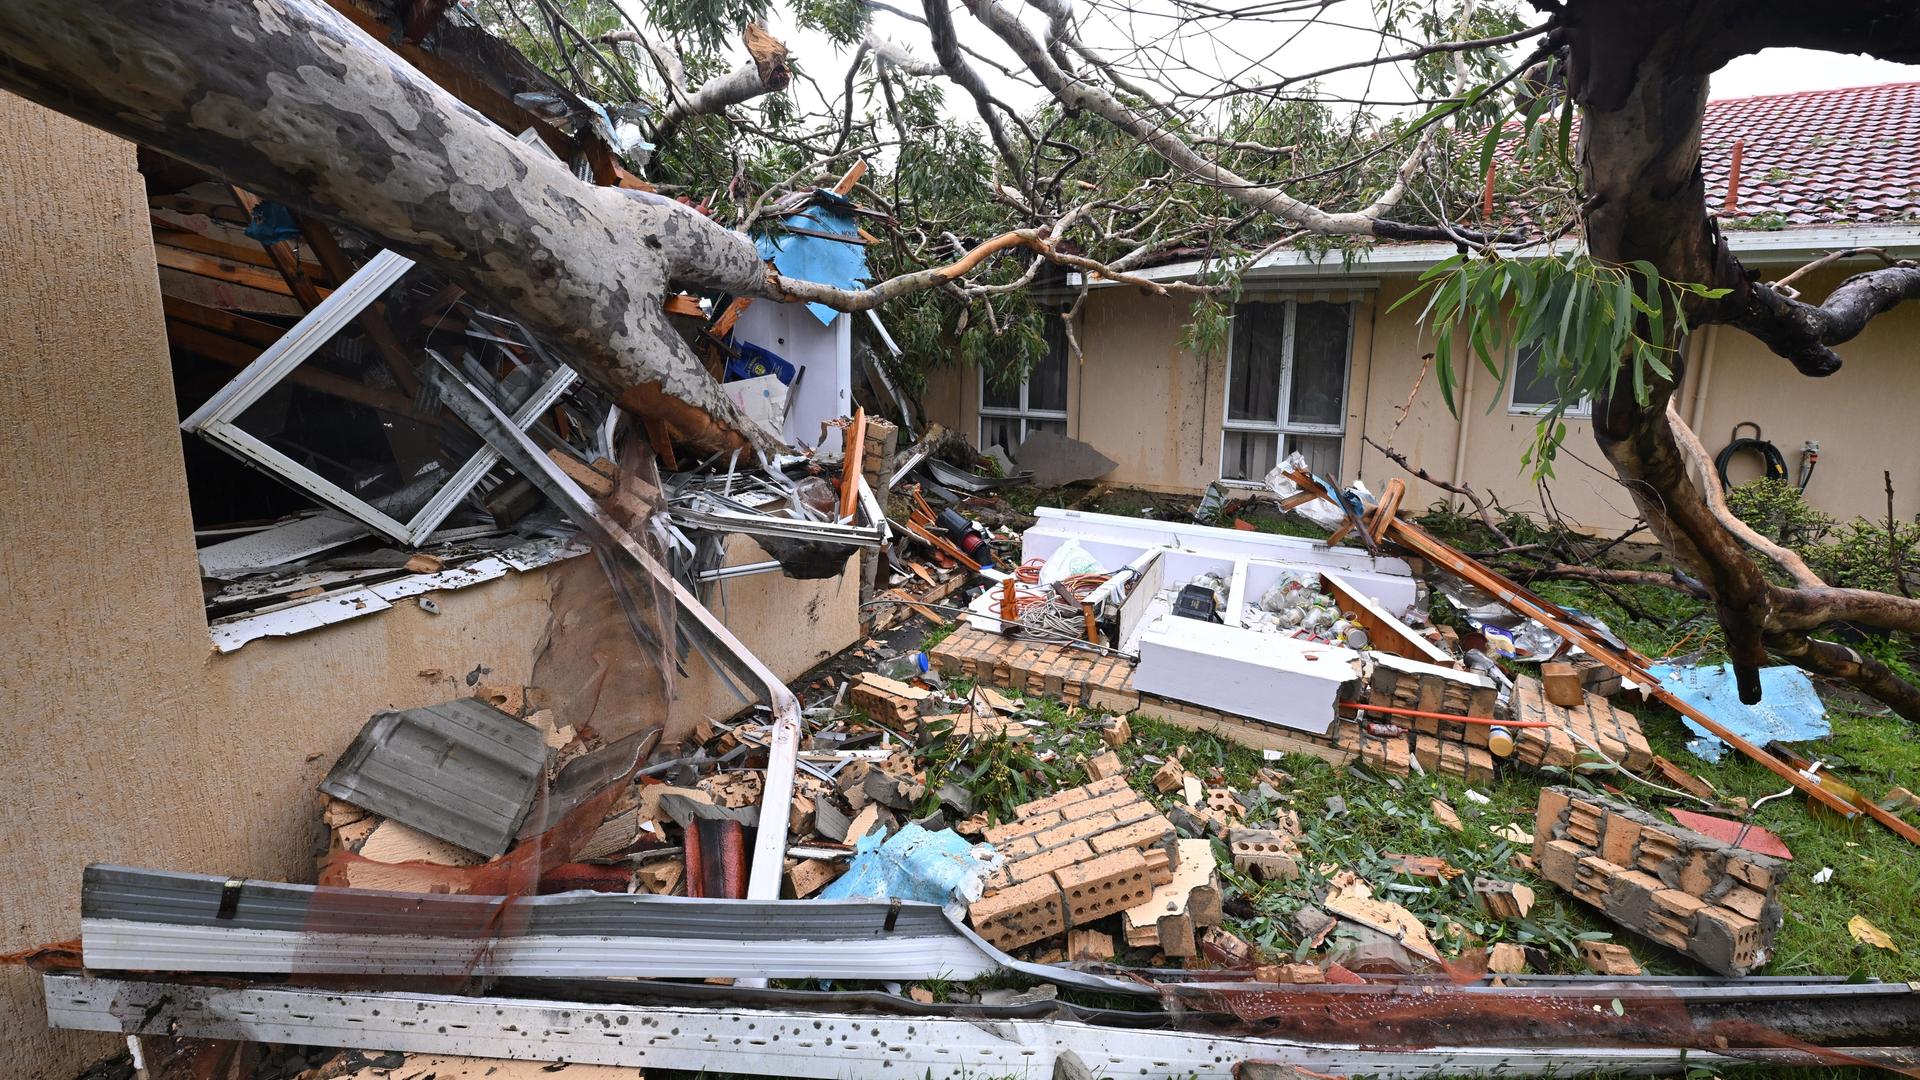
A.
pixel 1818 157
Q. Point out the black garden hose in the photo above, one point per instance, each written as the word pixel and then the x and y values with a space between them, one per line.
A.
pixel 1776 465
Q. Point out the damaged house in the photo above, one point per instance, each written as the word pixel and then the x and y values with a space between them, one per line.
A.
pixel 476 613
pixel 1323 354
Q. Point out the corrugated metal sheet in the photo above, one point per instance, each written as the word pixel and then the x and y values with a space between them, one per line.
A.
pixel 462 771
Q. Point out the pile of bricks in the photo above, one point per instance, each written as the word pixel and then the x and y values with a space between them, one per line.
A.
pixel 1394 754
pixel 1597 722
pixel 1072 858
pixel 1712 901
pixel 1075 676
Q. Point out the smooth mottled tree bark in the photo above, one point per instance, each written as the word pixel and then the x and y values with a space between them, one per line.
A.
pixel 289 100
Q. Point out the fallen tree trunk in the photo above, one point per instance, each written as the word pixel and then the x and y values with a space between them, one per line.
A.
pixel 289 100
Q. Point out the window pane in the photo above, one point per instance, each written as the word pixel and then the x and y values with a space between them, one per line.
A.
pixel 1058 427
pixel 1253 381
pixel 998 394
pixel 1047 382
pixel 1532 387
pixel 1001 431
pixel 1319 385
pixel 1249 455
pixel 1322 453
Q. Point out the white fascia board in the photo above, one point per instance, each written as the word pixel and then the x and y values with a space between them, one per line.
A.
pixel 1754 246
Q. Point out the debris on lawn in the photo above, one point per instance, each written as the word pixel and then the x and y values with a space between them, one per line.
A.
pixel 1078 787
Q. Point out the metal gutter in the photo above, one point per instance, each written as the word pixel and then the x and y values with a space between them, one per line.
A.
pixel 133 919
pixel 1754 246
pixel 797 1042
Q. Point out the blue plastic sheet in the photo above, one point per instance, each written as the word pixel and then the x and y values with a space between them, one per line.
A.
pixel 811 258
pixel 914 864
pixel 1789 710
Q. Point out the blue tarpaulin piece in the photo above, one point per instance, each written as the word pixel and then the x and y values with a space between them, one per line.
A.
pixel 272 223
pixel 914 864
pixel 1789 709
pixel 811 258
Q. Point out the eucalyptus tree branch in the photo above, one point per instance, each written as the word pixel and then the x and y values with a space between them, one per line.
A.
pixel 1079 93
pixel 946 47
pixel 1707 481
pixel 765 72
pixel 1805 333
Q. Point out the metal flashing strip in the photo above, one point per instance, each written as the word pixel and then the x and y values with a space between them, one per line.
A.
pixel 787 1042
pixel 311 613
pixel 153 920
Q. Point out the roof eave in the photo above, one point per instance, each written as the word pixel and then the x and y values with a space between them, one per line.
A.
pixel 1754 246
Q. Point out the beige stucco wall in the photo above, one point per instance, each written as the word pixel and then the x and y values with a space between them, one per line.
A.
pixel 1157 411
pixel 1140 398
pixel 790 625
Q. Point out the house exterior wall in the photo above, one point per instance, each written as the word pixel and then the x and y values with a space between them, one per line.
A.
pixel 1140 398
pixel 1156 410
pixel 126 739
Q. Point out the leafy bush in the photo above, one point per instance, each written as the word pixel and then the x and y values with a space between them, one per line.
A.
pixel 1857 554
pixel 1778 511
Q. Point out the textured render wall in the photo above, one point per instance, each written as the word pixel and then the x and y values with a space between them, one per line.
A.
pixel 790 625
pixel 1863 415
pixel 1496 439
pixel 122 739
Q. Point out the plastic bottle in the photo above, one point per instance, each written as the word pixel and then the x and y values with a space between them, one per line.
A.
pixel 905 667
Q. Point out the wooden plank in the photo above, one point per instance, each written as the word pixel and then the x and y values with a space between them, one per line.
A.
pixel 852 450
pixel 165 232
pixel 1388 508
pixel 373 317
pixel 207 266
pixel 238 354
pixel 851 177
pixel 299 286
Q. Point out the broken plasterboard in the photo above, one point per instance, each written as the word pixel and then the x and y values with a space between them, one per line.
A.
pixel 1266 677
pixel 762 398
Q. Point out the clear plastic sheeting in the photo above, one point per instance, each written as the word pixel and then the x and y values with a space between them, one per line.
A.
pixel 1789 709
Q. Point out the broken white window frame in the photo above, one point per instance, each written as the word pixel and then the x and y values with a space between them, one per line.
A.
pixel 217 420
pixel 1281 426
pixel 1023 413
pixel 1581 410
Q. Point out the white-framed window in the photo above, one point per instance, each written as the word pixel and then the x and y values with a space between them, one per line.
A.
pixel 1010 413
pixel 1287 366
pixel 1532 391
